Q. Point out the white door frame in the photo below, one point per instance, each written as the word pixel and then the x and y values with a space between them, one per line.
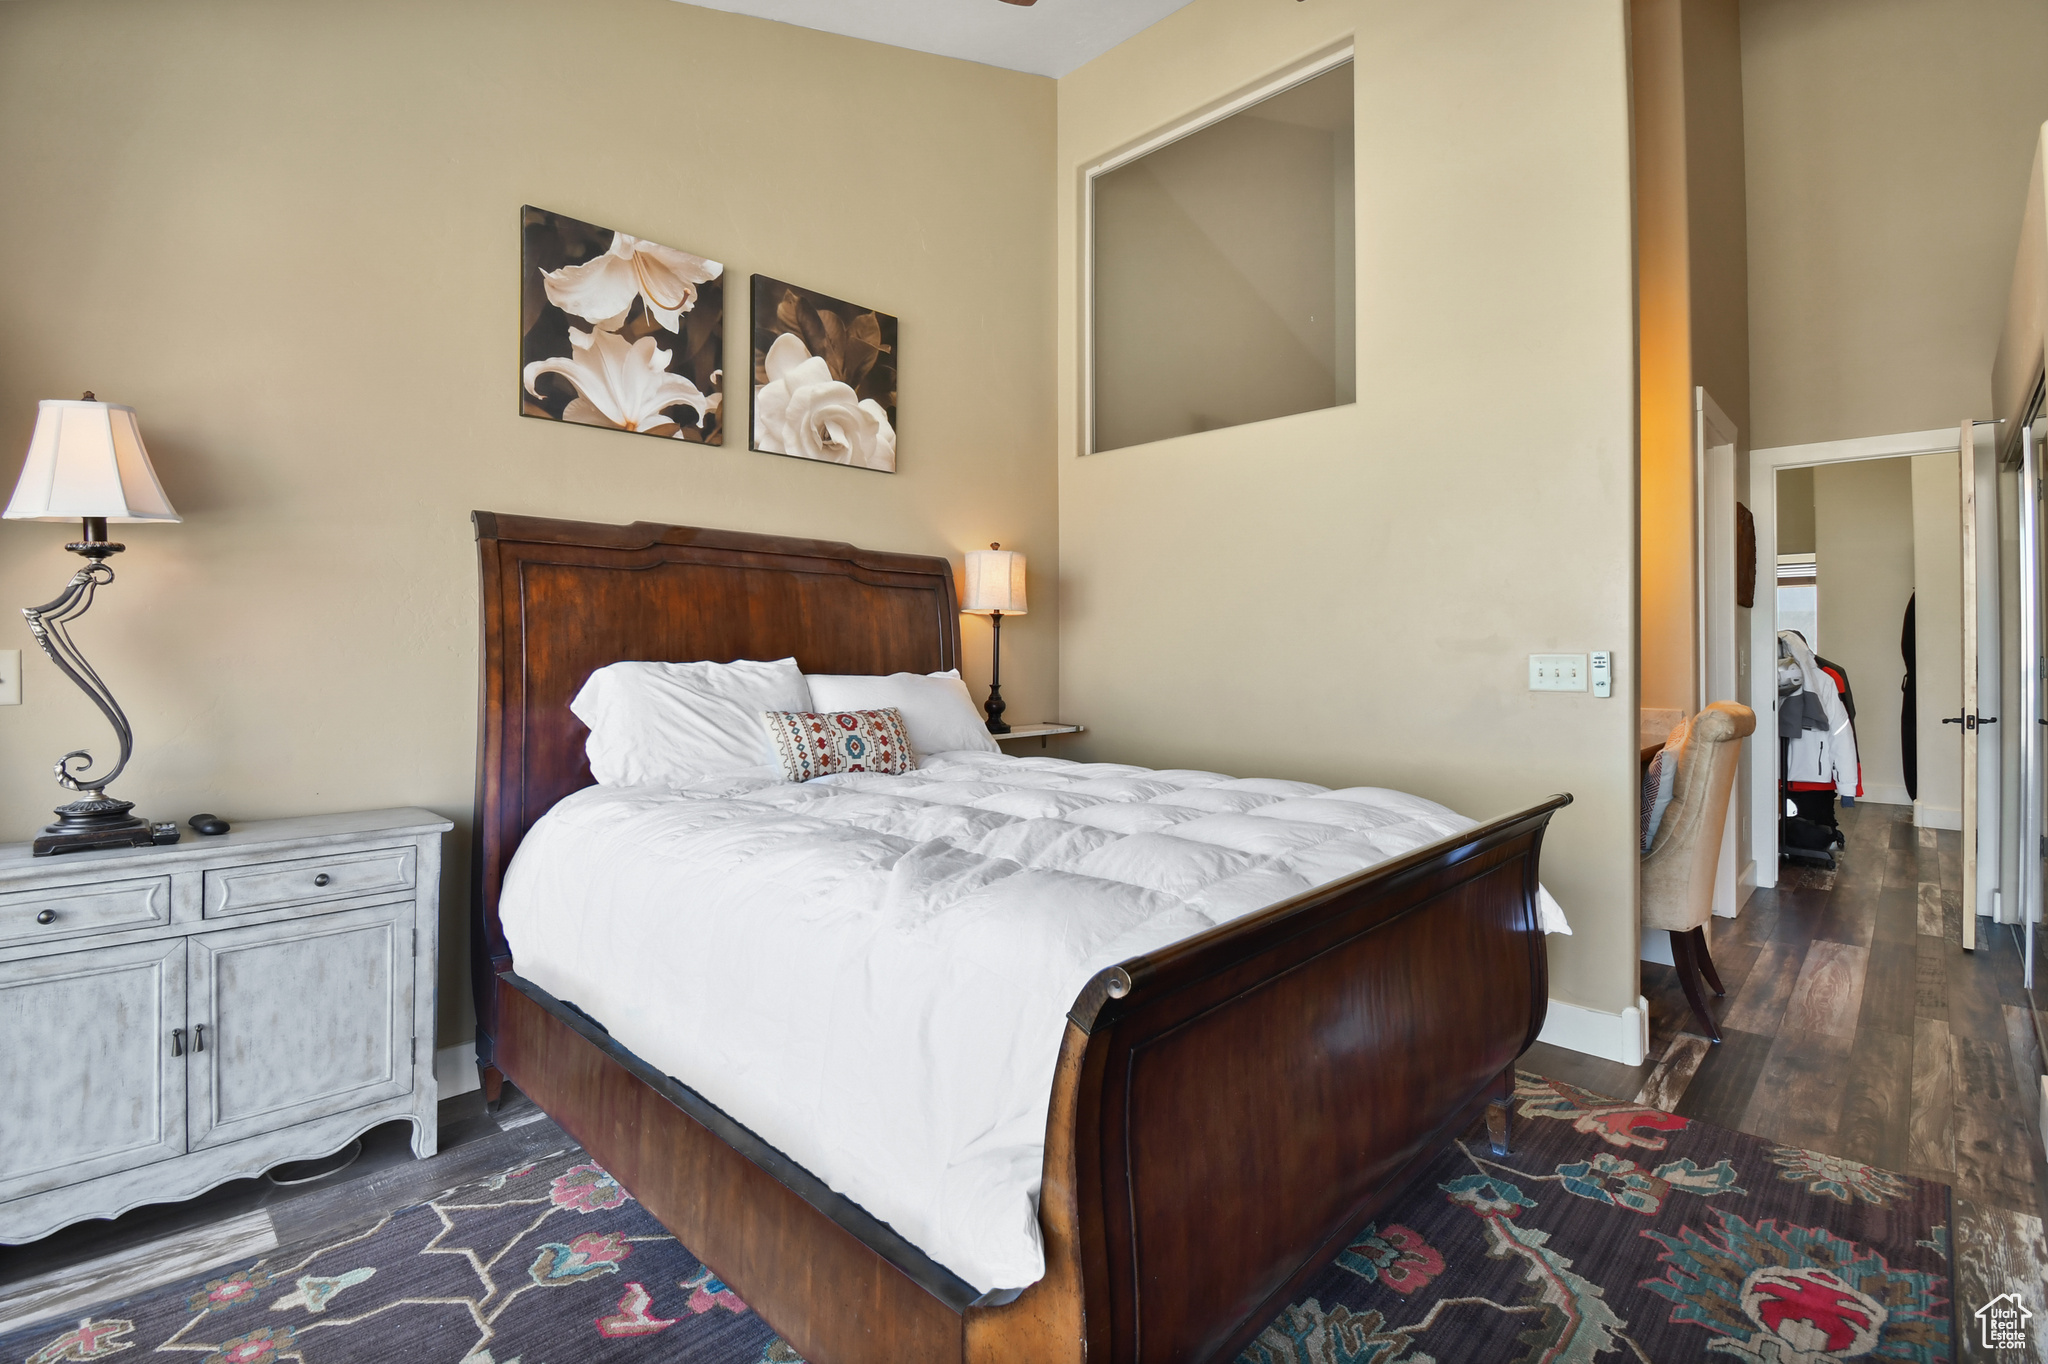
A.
pixel 1717 649
pixel 1717 644
pixel 1763 621
pixel 1982 684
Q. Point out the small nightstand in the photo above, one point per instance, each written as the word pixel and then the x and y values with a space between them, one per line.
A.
pixel 1040 732
pixel 172 1018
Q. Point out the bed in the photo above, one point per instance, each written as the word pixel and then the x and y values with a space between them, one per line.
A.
pixel 1224 1112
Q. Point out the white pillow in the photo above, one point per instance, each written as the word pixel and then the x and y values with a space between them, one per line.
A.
pixel 669 723
pixel 938 712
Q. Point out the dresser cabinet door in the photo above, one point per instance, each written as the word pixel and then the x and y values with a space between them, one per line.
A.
pixel 301 1019
pixel 89 1083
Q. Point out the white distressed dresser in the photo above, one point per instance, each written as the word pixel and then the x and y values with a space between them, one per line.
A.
pixel 172 1018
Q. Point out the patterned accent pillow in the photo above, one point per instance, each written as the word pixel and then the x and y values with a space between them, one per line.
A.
pixel 810 745
pixel 1657 784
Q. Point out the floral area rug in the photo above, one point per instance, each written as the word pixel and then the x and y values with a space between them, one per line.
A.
pixel 548 1263
pixel 1614 1232
pixel 1620 1232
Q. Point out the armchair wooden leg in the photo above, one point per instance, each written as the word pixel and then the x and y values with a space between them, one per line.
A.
pixel 1687 965
pixel 1500 1115
pixel 1706 963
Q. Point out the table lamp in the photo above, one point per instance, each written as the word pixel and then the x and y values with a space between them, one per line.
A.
pixel 86 463
pixel 995 588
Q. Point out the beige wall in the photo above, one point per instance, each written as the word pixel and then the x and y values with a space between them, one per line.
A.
pixel 1354 593
pixel 288 235
pixel 1938 637
pixel 1717 246
pixel 1888 144
pixel 1691 287
pixel 1795 511
pixel 1670 672
pixel 1863 543
pixel 1219 256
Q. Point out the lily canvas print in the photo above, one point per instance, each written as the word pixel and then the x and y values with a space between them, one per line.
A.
pixel 824 378
pixel 618 331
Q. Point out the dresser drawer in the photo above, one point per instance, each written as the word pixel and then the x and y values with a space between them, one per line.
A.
pixel 306 881
pixel 29 916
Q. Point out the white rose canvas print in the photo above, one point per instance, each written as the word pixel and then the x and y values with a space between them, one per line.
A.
pixel 824 378
pixel 620 332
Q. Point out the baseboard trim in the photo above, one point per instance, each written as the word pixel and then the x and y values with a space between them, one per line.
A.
pixel 455 1070
pixel 1883 795
pixel 1656 946
pixel 1623 1037
pixel 1936 817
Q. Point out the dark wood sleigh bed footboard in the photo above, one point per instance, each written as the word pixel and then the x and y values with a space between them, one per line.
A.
pixel 1226 1112
pixel 1255 1094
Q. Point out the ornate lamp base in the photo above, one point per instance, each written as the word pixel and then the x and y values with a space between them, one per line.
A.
pixel 99 821
pixel 994 705
pixel 94 820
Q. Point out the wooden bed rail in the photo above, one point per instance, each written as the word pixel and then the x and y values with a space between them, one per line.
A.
pixel 1226 1113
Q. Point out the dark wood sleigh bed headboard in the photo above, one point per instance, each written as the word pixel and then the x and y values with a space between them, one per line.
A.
pixel 561 599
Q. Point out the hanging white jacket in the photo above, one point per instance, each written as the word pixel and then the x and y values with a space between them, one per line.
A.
pixel 1822 755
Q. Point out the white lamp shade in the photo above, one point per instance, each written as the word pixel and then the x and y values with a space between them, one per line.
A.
pixel 86 459
pixel 995 582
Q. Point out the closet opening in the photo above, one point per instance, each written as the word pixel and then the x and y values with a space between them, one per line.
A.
pixel 1868 648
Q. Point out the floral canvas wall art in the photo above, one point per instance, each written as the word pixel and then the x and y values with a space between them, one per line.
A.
pixel 824 378
pixel 619 332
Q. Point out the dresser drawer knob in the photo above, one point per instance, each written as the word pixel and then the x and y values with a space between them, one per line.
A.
pixel 48 916
pixel 321 879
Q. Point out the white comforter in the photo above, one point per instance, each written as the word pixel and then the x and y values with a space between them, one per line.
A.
pixel 872 972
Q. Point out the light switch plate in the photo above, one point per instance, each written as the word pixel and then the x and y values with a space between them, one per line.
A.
pixel 1557 672
pixel 10 677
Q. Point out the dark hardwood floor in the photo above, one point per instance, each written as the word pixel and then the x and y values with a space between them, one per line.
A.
pixel 1855 1023
pixel 105 1259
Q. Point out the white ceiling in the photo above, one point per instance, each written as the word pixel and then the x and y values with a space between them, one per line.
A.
pixel 1049 38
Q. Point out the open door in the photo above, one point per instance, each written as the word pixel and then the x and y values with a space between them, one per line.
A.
pixel 1966 462
pixel 1977 462
pixel 2026 714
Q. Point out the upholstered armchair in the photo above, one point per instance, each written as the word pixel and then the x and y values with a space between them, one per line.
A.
pixel 1678 870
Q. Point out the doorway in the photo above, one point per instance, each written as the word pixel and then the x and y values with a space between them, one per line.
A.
pixel 1860 528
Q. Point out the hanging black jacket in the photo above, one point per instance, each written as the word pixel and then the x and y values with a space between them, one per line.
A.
pixel 1909 732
